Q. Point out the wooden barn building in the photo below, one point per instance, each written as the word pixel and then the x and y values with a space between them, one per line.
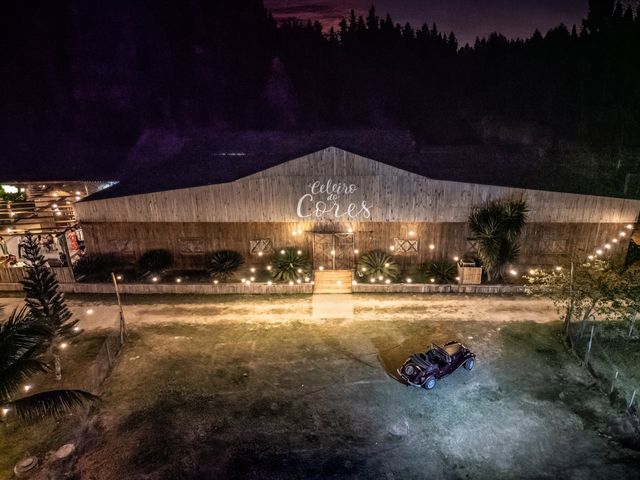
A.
pixel 335 205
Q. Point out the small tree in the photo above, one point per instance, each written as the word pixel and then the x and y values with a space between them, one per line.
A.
pixel 45 302
pixel 496 226
pixel 595 287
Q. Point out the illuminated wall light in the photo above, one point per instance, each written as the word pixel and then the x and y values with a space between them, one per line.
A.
pixel 281 252
pixel 432 280
pixel 154 279
pixel 299 270
pixel 54 206
pixel 333 252
pixel 432 246
pixel 76 328
pixel 78 193
pixel 614 240
pixel 590 257
pixel 58 213
pixel 409 280
pixel 532 272
pixel 350 230
pixel 320 267
pixel 513 272
pixel 4 411
pixel 387 281
pixel 364 269
pixel 259 254
pixel 269 267
pixel 252 269
pixel 558 268
pixel 269 282
pixel 456 258
pixel 90 311
pixel 290 282
pixel 411 233
pixel 392 248
pixel 27 387
pixel 306 279
pixel 386 265
pixel 118 277
pixel 64 345
pixel 607 246
pixel 623 234
pixel 215 282
pixel 629 226
pixel 457 279
pixel 354 282
pixel 298 281
pixel 380 277
pixel 598 252
pixel 77 199
pixel 356 251
pixel 178 280
pixel 339 282
pixel 372 280
pixel 243 280
pixel 299 252
pixel 253 279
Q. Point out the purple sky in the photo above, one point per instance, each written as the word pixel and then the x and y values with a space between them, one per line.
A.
pixel 467 18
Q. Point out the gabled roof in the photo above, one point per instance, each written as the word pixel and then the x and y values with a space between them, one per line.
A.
pixel 184 162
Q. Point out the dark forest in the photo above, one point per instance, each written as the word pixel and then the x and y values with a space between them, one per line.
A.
pixel 105 72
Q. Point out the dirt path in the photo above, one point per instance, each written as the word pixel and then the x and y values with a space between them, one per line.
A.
pixel 100 311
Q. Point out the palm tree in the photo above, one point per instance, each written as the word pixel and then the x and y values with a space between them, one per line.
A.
pixel 23 343
pixel 496 226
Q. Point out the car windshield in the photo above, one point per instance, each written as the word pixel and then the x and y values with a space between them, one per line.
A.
pixel 437 354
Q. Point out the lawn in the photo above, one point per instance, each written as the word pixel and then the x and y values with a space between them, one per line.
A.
pixel 261 387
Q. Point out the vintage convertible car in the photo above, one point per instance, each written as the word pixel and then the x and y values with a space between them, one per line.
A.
pixel 424 369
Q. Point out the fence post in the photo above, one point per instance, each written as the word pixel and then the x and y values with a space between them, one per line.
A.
pixel 633 396
pixel 586 355
pixel 122 323
pixel 613 383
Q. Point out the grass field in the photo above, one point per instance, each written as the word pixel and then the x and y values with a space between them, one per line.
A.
pixel 258 398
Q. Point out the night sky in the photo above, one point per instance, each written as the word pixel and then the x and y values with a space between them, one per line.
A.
pixel 466 18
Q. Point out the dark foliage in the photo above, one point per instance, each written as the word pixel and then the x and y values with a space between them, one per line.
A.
pixel 442 271
pixel 46 303
pixel 95 263
pixel 377 265
pixel 155 260
pixel 223 264
pixel 112 72
pixel 289 266
pixel 23 343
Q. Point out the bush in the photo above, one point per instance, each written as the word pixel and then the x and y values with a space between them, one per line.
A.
pixel 95 263
pixel 155 260
pixel 376 264
pixel 290 265
pixel 441 270
pixel 223 264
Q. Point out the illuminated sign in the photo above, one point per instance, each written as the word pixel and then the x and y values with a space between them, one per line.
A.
pixel 330 199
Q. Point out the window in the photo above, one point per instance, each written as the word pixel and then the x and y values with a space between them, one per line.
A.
pixel 260 247
pixel 404 246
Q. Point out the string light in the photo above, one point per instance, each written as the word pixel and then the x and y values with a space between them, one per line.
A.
pixel 364 269
pixel 392 248
pixel 558 268
pixel 290 283
pixel 411 233
pixel 63 345
pixel 629 226
pixel 299 270
pixel 298 281
pixel 387 281
pixel 269 267
pixel 409 280
pixel 333 252
pixel 4 411
pixel 154 279
pixel 623 234
pixel 372 280
pixel 118 277
pixel 614 240
pixel 432 246
pixel 281 252
pixel 354 282
pixel 456 258
pixel 339 282
pixel 513 272
pixel 269 283
pixel 90 311
pixel 590 257
pixel 299 252
pixel 356 251
pixel 598 252
pixel 215 282
pixel 607 246
pixel 259 254
pixel 253 279
pixel 350 230
pixel 178 280
pixel 380 277
pixel 27 387
pixel 252 269
pixel 320 267
pixel 243 280
pixel 432 280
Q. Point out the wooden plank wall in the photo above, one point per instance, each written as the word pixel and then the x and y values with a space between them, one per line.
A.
pixel 396 196
pixel 16 274
pixel 542 244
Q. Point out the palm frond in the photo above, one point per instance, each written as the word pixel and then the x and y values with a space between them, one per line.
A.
pixel 53 403
pixel 376 264
pixel 290 266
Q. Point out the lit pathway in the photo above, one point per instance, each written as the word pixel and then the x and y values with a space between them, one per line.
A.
pixel 101 310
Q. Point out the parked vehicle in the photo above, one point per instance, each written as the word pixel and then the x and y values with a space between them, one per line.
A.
pixel 424 369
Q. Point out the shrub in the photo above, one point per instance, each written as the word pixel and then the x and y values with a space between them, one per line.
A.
pixel 377 263
pixel 155 260
pixel 223 264
pixel 441 270
pixel 290 265
pixel 95 263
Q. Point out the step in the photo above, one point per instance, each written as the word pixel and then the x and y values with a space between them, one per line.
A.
pixel 332 281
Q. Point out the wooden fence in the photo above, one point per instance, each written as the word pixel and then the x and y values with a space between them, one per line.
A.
pixel 16 274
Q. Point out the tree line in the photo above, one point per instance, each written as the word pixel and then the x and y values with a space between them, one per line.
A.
pixel 107 72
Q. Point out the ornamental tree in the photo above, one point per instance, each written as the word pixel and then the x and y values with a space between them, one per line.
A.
pixel 45 302
pixel 596 287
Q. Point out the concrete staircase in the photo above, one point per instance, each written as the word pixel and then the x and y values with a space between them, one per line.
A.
pixel 333 281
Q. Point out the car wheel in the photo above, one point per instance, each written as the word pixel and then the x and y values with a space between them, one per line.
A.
pixel 469 364
pixel 430 383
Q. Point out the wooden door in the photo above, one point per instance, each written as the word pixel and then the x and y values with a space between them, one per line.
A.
pixel 333 251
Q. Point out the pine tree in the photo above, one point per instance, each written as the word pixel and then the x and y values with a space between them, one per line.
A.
pixel 45 302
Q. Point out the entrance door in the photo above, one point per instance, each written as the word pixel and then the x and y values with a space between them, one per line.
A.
pixel 333 251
